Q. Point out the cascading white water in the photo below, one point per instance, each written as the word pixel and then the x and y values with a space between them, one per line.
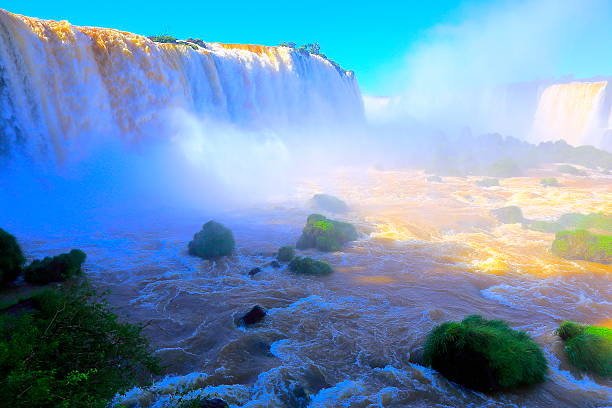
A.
pixel 573 112
pixel 64 87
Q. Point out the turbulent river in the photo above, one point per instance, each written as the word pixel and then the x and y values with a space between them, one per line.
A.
pixel 428 252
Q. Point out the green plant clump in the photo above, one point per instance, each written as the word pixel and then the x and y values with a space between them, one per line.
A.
pixel 508 215
pixel 285 253
pixel 549 182
pixel 70 352
pixel 589 348
pixel 571 221
pixel 325 234
pixel 488 182
pixel 329 203
pixel 485 355
pixel 11 257
pixel 583 245
pixel 213 241
pixel 309 266
pixel 55 269
pixel 167 39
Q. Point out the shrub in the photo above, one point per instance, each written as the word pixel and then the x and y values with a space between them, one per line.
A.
pixel 508 215
pixel 55 269
pixel 285 253
pixel 325 234
pixel 583 245
pixel 329 203
pixel 567 169
pixel 589 348
pixel 167 39
pixel 484 354
pixel 488 182
pixel 549 182
pixel 213 241
pixel 70 352
pixel 11 257
pixel 309 266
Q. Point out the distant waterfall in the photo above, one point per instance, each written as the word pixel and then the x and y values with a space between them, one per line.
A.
pixel 64 87
pixel 575 112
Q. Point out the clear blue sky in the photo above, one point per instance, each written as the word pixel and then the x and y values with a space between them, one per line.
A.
pixel 367 37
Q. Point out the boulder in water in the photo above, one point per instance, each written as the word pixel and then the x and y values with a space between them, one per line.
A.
pixel 485 355
pixel 213 241
pixel 275 264
pixel 434 179
pixel 254 271
pixel 326 202
pixel 508 215
pixel 285 253
pixel 55 269
pixel 253 316
pixel 11 257
pixel 588 348
pixel 309 266
pixel 488 182
pixel 325 234
pixel 583 245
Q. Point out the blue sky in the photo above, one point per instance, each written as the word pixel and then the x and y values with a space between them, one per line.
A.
pixel 372 38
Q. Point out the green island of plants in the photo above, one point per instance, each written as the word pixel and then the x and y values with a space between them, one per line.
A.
pixel 309 266
pixel 55 269
pixel 213 241
pixel 285 254
pixel 484 355
pixel 325 234
pixel 549 182
pixel 589 348
pixel 67 349
pixel 511 214
pixel 583 245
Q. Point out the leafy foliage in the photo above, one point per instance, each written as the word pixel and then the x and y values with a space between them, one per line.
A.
pixel 570 221
pixel 213 241
pixel 309 266
pixel 69 352
pixel 285 253
pixel 325 234
pixel 55 269
pixel 589 348
pixel 11 257
pixel 484 354
pixel 166 39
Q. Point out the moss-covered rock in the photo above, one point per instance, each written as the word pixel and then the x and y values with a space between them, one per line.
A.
pixel 488 182
pixel 325 234
pixel 309 266
pixel 55 269
pixel 567 169
pixel 583 245
pixel 549 182
pixel 213 241
pixel 285 253
pixel 572 221
pixel 11 257
pixel 508 215
pixel 589 348
pixel 484 354
pixel 326 202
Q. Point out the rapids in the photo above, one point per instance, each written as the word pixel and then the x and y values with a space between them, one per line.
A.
pixel 427 253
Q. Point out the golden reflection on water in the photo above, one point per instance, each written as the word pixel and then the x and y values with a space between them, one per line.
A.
pixel 403 206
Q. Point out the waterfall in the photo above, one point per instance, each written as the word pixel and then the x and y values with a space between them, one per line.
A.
pixel 575 112
pixel 64 88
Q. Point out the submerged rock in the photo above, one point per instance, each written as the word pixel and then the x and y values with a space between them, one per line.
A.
pixel 309 266
pixel 213 241
pixel 484 354
pixel 285 253
pixel 55 269
pixel 588 348
pixel 253 316
pixel 326 202
pixel 11 257
pixel 254 271
pixel 325 234
pixel 583 245
pixel 508 215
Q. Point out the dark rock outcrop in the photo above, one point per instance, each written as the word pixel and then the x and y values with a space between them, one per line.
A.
pixel 213 241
